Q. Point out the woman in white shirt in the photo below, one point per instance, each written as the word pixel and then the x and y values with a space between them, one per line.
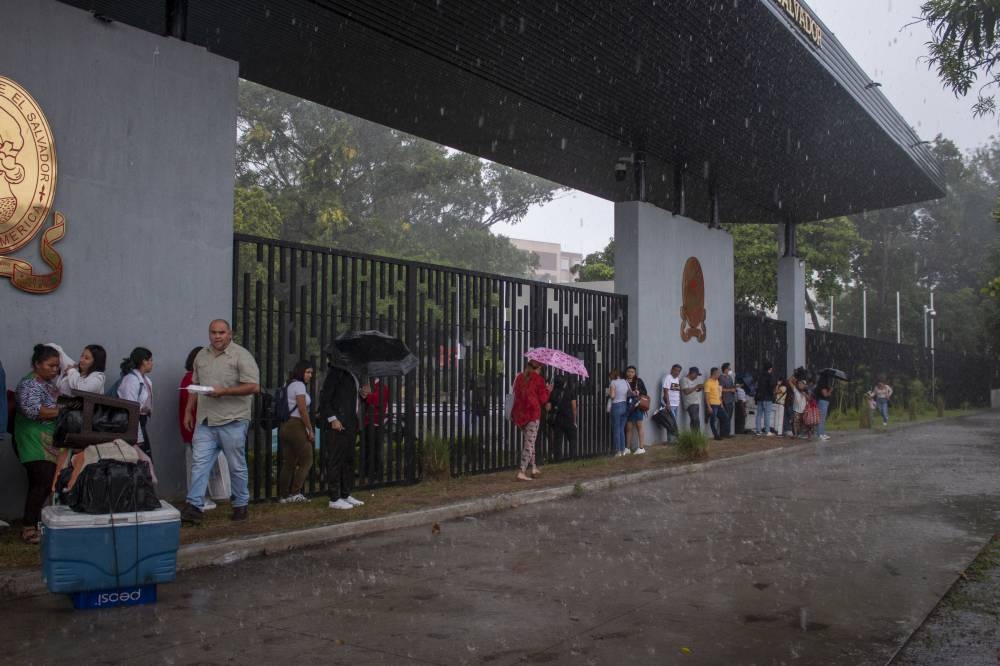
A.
pixel 296 436
pixel 136 386
pixel 87 374
pixel 618 392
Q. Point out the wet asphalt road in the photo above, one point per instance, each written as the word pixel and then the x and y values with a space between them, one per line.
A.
pixel 832 554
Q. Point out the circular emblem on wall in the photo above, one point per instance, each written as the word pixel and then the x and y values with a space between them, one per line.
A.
pixel 27 188
pixel 27 167
pixel 693 301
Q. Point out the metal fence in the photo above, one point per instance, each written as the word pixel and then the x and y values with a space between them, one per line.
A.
pixel 959 379
pixel 759 340
pixel 469 331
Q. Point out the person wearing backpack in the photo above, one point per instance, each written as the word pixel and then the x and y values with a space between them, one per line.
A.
pixel 296 436
pixel 136 386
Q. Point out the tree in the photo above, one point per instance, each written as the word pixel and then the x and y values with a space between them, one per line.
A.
pixel 829 249
pixel 964 47
pixel 351 184
pixel 597 266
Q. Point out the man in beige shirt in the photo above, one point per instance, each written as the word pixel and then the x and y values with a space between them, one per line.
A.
pixel 220 418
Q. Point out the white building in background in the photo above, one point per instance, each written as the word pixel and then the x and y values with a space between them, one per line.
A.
pixel 554 264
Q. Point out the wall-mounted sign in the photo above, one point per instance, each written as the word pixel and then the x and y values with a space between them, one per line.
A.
pixel 27 189
pixel 801 16
pixel 693 301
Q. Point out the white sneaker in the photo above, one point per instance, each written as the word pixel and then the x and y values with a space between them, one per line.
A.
pixel 769 434
pixel 284 500
pixel 824 437
pixel 618 454
pixel 639 452
pixel 627 452
pixel 341 504
pixel 350 499
pixel 298 498
pixel 208 505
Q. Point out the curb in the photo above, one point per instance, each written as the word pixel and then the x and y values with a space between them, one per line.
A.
pixel 28 583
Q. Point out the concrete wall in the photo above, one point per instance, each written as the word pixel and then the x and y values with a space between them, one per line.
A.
pixel 145 136
pixel 651 248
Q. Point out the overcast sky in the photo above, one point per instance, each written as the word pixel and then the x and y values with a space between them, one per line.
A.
pixel 876 33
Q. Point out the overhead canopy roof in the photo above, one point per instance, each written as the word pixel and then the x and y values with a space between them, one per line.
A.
pixel 740 95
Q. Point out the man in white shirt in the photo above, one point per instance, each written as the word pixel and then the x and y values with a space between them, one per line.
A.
pixel 691 397
pixel 671 395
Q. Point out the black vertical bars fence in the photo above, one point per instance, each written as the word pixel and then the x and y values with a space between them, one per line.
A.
pixel 469 331
pixel 960 379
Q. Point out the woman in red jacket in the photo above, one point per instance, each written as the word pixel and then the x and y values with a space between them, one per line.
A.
pixel 530 393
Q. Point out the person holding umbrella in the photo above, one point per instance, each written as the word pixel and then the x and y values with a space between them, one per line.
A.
pixel 824 390
pixel 353 354
pixel 530 394
pixel 339 404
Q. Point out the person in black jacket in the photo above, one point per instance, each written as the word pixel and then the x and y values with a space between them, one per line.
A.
pixel 764 397
pixel 562 418
pixel 339 403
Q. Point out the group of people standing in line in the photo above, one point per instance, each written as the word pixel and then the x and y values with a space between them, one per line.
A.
pixel 214 422
pixel 36 408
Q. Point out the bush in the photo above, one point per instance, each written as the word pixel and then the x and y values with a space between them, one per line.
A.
pixel 692 444
pixel 917 403
pixel 435 457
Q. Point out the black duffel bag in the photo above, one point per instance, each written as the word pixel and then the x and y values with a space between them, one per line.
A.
pixel 664 418
pixel 111 486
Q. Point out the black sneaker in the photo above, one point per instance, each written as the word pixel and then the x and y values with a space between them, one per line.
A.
pixel 239 513
pixel 191 514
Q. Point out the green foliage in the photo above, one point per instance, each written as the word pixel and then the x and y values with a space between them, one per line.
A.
pixel 577 490
pixel 755 269
pixel 435 457
pixel 692 444
pixel 829 249
pixel 597 266
pixel 964 46
pixel 916 398
pixel 336 180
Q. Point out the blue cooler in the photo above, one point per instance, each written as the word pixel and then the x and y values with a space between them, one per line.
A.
pixel 86 553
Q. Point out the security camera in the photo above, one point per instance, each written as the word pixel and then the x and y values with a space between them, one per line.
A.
pixel 620 170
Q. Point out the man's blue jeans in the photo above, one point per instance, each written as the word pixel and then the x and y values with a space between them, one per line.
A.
pixel 619 410
pixel 763 417
pixel 231 439
pixel 824 409
pixel 716 419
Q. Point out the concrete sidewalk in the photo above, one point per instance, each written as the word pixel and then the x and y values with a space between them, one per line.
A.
pixel 825 555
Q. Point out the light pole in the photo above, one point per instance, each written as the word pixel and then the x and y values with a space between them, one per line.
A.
pixel 933 314
pixel 930 313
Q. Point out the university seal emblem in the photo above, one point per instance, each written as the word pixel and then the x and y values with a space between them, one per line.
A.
pixel 27 190
pixel 693 301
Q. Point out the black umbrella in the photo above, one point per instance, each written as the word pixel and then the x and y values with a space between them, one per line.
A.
pixel 374 353
pixel 833 372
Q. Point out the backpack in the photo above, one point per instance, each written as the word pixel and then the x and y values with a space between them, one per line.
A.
pixel 112 391
pixel 281 411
